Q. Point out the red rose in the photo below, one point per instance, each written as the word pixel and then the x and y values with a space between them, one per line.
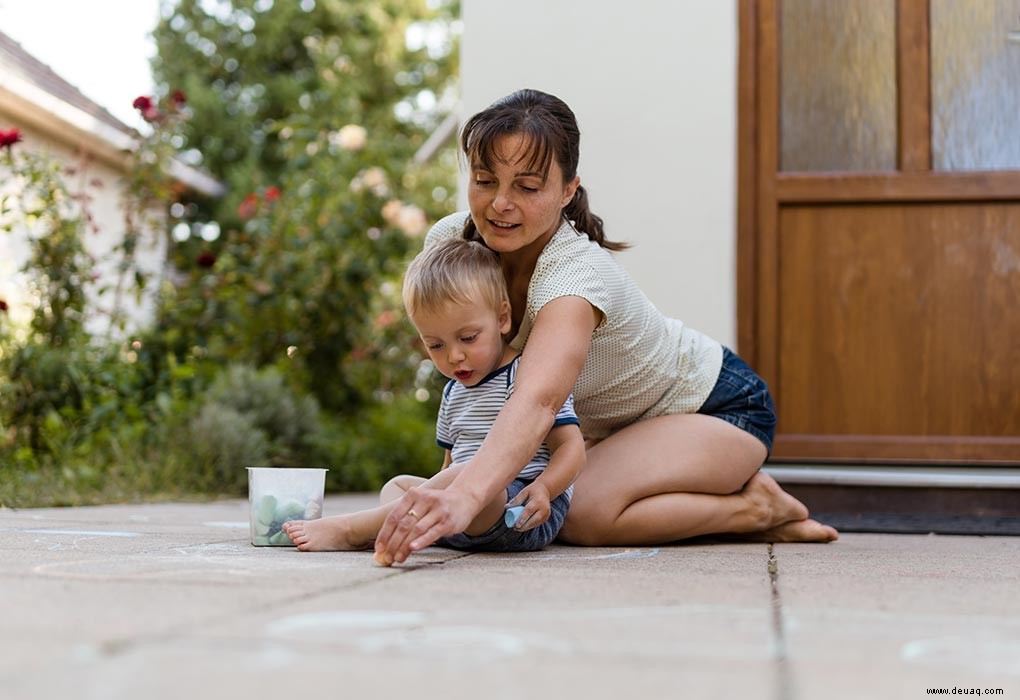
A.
pixel 206 259
pixel 272 194
pixel 142 104
pixel 247 208
pixel 178 97
pixel 9 137
pixel 386 318
pixel 3 306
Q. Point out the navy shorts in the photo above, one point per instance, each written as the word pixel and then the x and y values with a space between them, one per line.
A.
pixel 742 398
pixel 500 538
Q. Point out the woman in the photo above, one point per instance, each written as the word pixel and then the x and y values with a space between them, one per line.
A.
pixel 676 425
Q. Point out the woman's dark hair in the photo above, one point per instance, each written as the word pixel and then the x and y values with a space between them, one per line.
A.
pixel 550 129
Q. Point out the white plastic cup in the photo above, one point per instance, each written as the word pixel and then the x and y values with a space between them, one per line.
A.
pixel 277 495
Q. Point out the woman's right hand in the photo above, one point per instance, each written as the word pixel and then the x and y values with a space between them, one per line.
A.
pixel 421 517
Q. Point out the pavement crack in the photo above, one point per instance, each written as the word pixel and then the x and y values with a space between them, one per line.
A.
pixel 784 677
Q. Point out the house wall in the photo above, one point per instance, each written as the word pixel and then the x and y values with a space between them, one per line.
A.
pixel 104 187
pixel 653 84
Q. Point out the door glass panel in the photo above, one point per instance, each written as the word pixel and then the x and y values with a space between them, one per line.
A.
pixel 975 84
pixel 837 85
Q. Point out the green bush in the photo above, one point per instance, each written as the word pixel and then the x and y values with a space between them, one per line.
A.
pixel 224 441
pixel 386 439
pixel 274 407
pixel 250 418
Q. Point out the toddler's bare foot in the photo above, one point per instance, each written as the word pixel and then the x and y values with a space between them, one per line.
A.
pixel 331 534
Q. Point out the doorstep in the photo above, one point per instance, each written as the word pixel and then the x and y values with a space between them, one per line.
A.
pixel 956 500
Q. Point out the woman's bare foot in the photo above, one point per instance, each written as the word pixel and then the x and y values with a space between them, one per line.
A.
pixel 782 518
pixel 335 533
pixel 801 531
pixel 770 504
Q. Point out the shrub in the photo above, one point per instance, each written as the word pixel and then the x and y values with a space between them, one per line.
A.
pixel 250 418
pixel 224 441
pixel 274 407
pixel 386 439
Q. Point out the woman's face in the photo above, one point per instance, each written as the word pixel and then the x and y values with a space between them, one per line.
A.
pixel 514 209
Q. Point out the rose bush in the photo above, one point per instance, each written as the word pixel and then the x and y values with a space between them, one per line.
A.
pixel 311 115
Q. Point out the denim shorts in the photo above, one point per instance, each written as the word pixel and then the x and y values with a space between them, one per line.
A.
pixel 500 538
pixel 742 398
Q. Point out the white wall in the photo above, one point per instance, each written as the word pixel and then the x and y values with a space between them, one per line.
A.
pixel 653 84
pixel 105 188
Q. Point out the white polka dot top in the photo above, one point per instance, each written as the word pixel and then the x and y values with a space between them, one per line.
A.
pixel 641 364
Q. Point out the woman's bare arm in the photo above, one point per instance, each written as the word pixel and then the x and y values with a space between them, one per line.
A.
pixel 552 360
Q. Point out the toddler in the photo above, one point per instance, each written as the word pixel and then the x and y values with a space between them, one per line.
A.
pixel 456 297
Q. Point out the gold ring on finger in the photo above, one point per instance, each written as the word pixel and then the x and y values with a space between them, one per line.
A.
pixel 413 514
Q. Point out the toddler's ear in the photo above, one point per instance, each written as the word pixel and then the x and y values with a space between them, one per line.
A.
pixel 505 320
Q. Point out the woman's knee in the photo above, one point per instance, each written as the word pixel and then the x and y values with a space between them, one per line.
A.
pixel 584 528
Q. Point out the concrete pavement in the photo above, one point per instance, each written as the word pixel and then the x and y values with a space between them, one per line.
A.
pixel 172 601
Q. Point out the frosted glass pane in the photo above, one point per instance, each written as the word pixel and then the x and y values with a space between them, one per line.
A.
pixel 837 77
pixel 975 84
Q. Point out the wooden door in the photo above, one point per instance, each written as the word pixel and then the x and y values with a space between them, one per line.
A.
pixel 879 226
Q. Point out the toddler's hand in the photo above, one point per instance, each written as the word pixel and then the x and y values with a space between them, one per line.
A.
pixel 535 496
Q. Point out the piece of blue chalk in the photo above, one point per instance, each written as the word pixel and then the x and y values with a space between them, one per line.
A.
pixel 512 515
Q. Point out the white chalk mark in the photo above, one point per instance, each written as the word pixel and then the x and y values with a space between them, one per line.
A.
pixel 90 533
pixel 629 554
pixel 67 570
pixel 460 642
pixel 571 554
pixel 273 655
pixel 408 632
pixel 300 626
pixel 987 655
pixel 231 524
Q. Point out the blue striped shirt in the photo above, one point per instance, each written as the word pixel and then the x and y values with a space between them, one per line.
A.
pixel 467 413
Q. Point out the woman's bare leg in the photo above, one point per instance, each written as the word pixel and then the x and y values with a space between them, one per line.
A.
pixel 674 477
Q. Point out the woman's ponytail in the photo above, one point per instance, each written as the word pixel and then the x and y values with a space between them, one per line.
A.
pixel 587 222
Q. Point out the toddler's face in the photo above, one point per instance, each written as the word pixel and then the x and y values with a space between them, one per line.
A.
pixel 465 341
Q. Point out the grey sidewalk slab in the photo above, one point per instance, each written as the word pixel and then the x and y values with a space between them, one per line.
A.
pixel 896 615
pixel 171 600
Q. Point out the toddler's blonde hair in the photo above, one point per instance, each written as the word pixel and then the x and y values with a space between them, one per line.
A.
pixel 457 271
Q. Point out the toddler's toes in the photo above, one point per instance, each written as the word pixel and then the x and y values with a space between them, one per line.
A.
pixel 295 532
